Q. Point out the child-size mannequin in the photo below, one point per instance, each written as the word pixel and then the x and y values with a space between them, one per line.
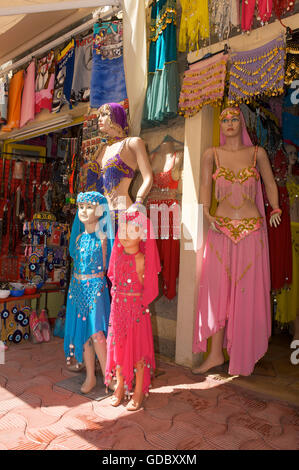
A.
pixel 88 304
pixel 133 271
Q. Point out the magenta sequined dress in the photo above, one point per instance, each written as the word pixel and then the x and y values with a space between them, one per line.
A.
pixel 130 337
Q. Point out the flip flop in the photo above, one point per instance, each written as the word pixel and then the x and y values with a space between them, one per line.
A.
pixel 46 330
pixel 34 323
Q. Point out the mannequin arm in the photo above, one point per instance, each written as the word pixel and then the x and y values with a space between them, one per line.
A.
pixel 137 146
pixel 205 192
pixel 268 178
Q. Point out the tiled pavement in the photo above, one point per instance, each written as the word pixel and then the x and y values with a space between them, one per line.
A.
pixel 182 412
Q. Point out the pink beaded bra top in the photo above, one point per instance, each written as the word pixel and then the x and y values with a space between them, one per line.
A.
pixel 236 188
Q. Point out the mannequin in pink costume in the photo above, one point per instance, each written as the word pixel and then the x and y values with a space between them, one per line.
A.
pixel 234 295
pixel 133 271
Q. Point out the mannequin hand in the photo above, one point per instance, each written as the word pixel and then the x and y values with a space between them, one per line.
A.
pixel 136 206
pixel 275 220
pixel 212 221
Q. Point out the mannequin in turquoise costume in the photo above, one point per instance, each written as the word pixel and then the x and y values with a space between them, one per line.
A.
pixel 88 302
pixel 161 102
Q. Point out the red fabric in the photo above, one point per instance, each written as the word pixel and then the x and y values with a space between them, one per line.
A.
pixel 248 7
pixel 280 238
pixel 280 243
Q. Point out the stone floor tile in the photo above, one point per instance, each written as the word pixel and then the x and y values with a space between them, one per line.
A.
pixel 202 425
pixel 11 421
pixel 287 440
pixel 148 423
pixel 171 439
pixel 256 444
pixel 252 427
pixel 35 418
pixel 156 400
pixel 173 408
pixel 132 438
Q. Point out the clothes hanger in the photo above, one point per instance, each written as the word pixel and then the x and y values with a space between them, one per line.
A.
pixel 167 138
pixel 225 50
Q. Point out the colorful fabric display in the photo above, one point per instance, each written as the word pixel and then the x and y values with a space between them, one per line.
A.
pixel 14 101
pixel 292 61
pixel 257 72
pixel 161 102
pixel 3 99
pixel 264 8
pixel 82 70
pixel 203 84
pixel 281 7
pixel 44 83
pixel 223 15
pixel 108 82
pixel 194 24
pixel 64 77
pixel 28 97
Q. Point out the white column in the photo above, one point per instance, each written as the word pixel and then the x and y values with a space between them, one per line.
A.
pixel 198 137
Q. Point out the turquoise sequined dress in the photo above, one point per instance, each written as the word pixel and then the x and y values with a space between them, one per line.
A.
pixel 161 102
pixel 88 303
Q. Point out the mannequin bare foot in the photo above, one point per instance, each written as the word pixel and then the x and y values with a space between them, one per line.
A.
pixel 117 396
pixel 89 384
pixel 209 363
pixel 135 402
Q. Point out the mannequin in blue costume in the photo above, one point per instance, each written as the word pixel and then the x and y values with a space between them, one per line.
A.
pixel 88 303
pixel 114 168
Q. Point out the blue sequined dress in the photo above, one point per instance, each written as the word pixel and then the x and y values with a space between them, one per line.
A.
pixel 88 303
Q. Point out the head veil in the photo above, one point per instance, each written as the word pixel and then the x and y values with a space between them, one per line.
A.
pixel 104 224
pixel 148 247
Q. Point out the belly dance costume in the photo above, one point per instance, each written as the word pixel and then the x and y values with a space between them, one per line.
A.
pixel 88 302
pixel 235 279
pixel 164 212
pixel 288 299
pixel 105 180
pixel 130 337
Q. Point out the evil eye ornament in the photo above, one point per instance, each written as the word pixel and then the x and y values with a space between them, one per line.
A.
pixel 26 336
pixel 50 266
pixel 32 267
pixel 19 317
pixel 4 314
pixel 17 337
pixel 14 310
pixel 9 338
pixel 25 322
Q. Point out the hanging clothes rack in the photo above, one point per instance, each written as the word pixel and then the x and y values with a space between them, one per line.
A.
pixel 225 50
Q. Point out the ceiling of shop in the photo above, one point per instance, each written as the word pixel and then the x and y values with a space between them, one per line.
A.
pixel 20 33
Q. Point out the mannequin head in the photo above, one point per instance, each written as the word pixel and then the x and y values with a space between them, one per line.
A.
pixel 292 152
pixel 91 207
pixel 230 122
pixel 130 237
pixel 112 120
pixel 89 213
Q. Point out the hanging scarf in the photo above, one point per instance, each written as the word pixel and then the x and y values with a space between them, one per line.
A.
pixel 257 72
pixel 194 24
pixel 107 73
pixel 64 77
pixel 281 7
pixel 248 7
pixel 223 15
pixel 203 84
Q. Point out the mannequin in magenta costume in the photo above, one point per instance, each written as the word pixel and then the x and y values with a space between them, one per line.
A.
pixel 112 176
pixel 234 296
pixel 130 339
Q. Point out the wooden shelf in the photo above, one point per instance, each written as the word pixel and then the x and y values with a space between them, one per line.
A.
pixel 19 299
